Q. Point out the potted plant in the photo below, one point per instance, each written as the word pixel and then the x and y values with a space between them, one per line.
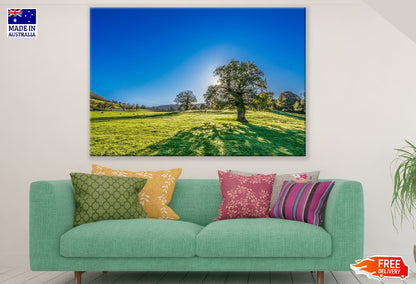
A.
pixel 404 194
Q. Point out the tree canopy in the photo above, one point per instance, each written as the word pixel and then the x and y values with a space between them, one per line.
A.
pixel 185 100
pixel 240 86
pixel 290 102
pixel 263 102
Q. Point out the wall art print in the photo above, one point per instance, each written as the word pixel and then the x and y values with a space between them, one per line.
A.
pixel 197 82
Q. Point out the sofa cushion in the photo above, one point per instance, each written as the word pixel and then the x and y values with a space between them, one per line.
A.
pixel 131 238
pixel 157 192
pixel 303 202
pixel 244 196
pixel 106 198
pixel 264 237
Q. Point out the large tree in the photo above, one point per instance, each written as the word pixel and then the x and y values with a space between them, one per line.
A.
pixel 185 100
pixel 239 85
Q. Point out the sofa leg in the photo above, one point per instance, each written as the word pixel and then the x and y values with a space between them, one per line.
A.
pixel 77 277
pixel 320 276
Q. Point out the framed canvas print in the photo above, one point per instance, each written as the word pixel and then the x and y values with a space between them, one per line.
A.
pixel 197 82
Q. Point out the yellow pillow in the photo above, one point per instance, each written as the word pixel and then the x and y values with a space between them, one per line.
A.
pixel 156 194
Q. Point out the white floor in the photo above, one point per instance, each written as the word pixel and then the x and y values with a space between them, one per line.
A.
pixel 20 275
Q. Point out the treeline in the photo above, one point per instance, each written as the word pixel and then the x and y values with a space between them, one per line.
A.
pixel 286 102
pixel 290 102
pixel 265 101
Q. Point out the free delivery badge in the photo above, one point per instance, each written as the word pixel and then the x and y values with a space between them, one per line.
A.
pixel 380 266
pixel 21 23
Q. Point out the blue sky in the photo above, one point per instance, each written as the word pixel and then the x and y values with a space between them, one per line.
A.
pixel 149 55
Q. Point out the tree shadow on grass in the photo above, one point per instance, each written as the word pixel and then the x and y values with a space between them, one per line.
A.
pixel 228 139
pixel 138 116
pixel 290 114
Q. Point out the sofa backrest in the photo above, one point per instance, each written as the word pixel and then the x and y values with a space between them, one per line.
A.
pixel 197 200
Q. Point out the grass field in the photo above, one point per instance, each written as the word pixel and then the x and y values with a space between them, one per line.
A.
pixel 196 133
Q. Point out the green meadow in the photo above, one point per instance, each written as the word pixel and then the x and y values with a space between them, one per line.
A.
pixel 196 133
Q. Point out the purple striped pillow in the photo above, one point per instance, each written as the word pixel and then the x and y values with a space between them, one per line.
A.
pixel 302 201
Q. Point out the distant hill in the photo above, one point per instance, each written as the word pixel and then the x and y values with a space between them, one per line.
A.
pixel 170 107
pixel 97 102
pixel 97 97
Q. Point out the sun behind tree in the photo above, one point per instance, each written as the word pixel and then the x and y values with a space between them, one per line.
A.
pixel 240 85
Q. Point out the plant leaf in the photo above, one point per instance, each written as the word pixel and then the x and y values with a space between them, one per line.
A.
pixel 403 166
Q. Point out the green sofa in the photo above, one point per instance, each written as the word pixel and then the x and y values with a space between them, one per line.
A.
pixel 194 243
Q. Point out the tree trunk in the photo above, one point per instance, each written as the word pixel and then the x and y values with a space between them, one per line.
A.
pixel 187 103
pixel 241 115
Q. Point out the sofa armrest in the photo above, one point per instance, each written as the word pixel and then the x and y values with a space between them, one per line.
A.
pixel 52 211
pixel 344 221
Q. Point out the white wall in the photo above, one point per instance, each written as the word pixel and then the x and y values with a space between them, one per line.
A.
pixel 398 12
pixel 360 85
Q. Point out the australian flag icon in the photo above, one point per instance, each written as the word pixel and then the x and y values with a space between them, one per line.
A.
pixel 21 16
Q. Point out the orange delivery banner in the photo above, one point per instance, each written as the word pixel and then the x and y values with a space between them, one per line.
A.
pixel 380 266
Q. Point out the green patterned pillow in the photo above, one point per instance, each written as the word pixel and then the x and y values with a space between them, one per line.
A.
pixel 106 198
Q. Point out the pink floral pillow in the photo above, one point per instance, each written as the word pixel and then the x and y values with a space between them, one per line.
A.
pixel 245 196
